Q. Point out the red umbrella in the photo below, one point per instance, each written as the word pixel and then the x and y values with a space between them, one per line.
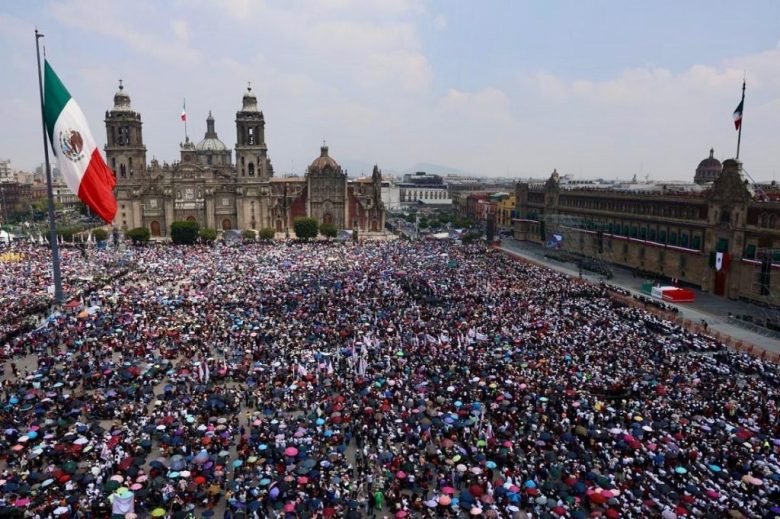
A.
pixel 448 490
pixel 476 490
pixel 400 474
pixel 199 480
pixel 290 451
pixel 598 498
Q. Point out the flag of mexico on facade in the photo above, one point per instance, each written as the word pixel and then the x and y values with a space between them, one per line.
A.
pixel 83 168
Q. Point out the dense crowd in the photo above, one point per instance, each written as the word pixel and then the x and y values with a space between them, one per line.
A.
pixel 393 379
pixel 26 282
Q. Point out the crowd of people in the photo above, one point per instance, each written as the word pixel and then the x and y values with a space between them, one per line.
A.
pixel 25 272
pixel 392 379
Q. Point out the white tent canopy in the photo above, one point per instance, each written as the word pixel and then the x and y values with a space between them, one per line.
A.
pixel 6 237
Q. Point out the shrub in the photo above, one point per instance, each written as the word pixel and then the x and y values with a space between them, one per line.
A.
pixel 305 228
pixel 208 235
pixel 328 230
pixel 139 235
pixel 100 235
pixel 184 232
pixel 248 235
pixel 267 234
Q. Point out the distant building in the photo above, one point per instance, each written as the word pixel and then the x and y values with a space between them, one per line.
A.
pixel 422 188
pixel 6 173
pixel 668 230
pixel 391 194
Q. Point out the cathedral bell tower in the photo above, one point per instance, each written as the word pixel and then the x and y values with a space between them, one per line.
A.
pixel 125 150
pixel 251 152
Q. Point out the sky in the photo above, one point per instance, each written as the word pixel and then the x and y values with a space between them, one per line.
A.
pixel 597 89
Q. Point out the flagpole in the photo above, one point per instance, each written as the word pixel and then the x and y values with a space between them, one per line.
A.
pixel 55 250
pixel 739 135
pixel 186 137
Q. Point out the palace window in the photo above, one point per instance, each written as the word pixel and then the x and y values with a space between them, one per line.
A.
pixel 651 235
pixel 696 242
pixel 672 238
pixel 684 239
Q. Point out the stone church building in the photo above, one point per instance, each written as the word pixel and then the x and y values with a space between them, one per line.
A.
pixel 207 187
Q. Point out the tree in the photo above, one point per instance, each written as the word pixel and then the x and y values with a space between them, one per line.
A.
pixel 355 235
pixel 470 237
pixel 411 217
pixel 248 235
pixel 100 235
pixel 328 230
pixel 208 235
pixel 267 234
pixel 184 232
pixel 423 224
pixel 305 228
pixel 139 235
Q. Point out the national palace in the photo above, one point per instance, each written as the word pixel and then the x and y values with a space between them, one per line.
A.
pixel 721 233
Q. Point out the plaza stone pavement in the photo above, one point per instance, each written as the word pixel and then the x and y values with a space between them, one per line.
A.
pixel 710 308
pixel 423 380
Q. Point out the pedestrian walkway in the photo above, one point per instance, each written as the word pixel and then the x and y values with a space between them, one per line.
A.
pixel 713 310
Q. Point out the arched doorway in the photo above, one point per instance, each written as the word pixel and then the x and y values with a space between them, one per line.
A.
pixel 226 224
pixel 155 228
pixel 191 219
pixel 374 226
pixel 327 218
pixel 278 226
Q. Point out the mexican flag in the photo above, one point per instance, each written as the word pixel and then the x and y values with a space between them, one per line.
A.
pixel 738 111
pixel 83 168
pixel 184 110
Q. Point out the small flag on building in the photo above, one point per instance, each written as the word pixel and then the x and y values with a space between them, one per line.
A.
pixel 738 111
pixel 83 168
pixel 721 261
pixel 184 110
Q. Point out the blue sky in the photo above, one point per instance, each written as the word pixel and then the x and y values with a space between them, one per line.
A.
pixel 594 89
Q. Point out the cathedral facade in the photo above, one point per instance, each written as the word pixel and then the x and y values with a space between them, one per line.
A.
pixel 205 185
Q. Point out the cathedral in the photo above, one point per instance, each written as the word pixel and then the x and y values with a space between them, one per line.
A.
pixel 205 185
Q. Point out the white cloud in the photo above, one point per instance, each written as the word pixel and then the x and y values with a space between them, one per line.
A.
pixel 439 22
pixel 113 21
pixel 181 30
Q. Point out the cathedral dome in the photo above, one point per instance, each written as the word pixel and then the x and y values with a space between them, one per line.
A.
pixel 324 161
pixel 210 142
pixel 708 170
pixel 121 100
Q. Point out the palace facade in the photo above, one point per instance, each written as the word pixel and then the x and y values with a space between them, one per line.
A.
pixel 207 187
pixel 674 231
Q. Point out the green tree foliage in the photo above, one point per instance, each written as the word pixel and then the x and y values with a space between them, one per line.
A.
pixel 470 237
pixel 100 235
pixel 248 235
pixel 139 235
pixel 184 232
pixel 328 230
pixel 305 228
pixel 208 235
pixel 267 234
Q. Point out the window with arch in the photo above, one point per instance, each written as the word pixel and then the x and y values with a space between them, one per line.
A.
pixel 772 221
pixel 130 165
pixel 122 171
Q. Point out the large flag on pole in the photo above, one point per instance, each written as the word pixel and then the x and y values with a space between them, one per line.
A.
pixel 738 111
pixel 83 168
